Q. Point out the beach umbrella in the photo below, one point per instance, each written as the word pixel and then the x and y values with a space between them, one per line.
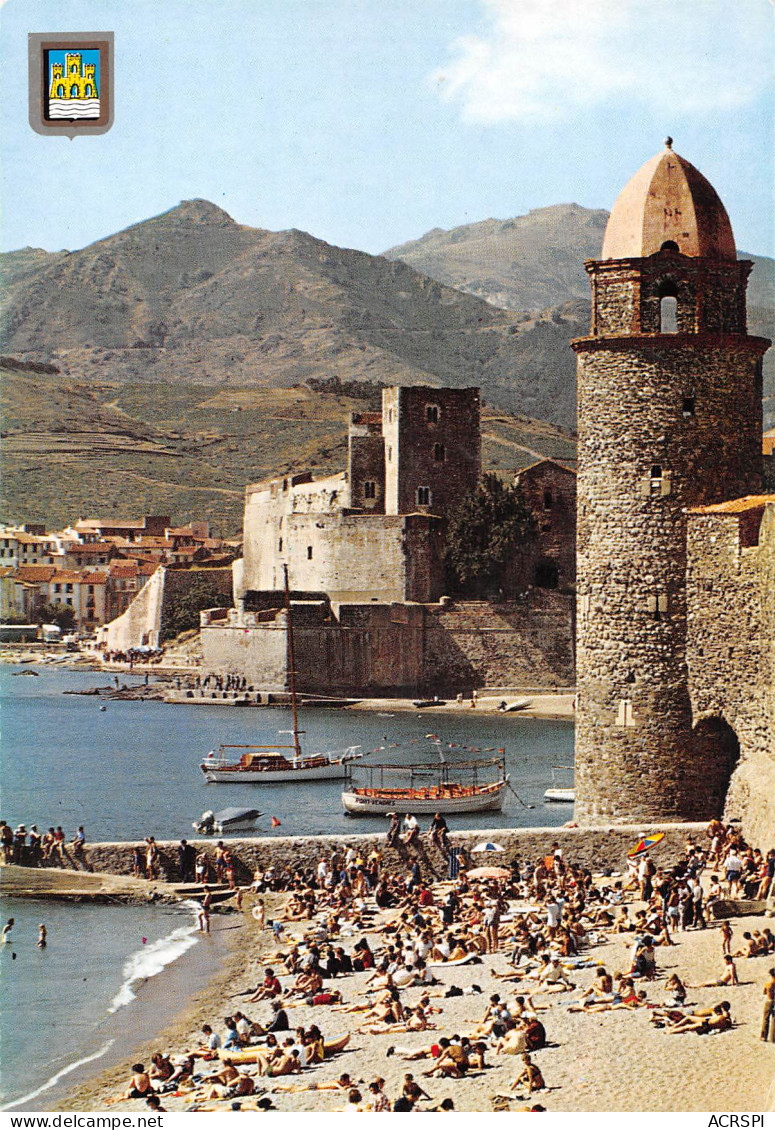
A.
pixel 645 845
pixel 489 873
pixel 487 845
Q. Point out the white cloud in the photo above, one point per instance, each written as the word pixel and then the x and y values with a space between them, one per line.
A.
pixel 541 60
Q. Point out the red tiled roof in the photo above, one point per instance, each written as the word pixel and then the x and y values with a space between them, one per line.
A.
pixel 35 573
pixel 736 505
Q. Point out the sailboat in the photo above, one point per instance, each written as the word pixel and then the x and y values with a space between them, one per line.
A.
pixel 274 764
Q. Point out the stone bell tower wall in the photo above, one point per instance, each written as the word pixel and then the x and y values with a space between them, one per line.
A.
pixel 666 422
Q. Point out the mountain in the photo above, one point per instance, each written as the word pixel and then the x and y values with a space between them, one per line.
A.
pixel 525 263
pixel 193 296
pixel 75 448
pixel 536 262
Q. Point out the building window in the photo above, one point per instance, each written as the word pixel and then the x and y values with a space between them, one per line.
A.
pixel 280 545
pixel 432 413
pixel 548 499
pixel 656 605
pixel 369 489
pixel 624 715
pixel 657 483
pixel 439 452
pixel 423 496
pixel 668 314
pixel 57 588
pixel 390 455
pixel 68 588
pixel 91 590
pixel 687 407
pixel 390 415
pixel 309 552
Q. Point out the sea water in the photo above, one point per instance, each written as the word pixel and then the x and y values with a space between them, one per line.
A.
pixel 77 1001
pixel 126 770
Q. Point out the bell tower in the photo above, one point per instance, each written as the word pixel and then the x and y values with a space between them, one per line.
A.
pixel 669 417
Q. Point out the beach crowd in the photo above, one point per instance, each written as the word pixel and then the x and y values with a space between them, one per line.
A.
pixel 461 977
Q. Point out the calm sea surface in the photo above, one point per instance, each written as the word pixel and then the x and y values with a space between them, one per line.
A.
pixel 131 770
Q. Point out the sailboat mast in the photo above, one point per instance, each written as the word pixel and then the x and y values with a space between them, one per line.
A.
pixel 291 666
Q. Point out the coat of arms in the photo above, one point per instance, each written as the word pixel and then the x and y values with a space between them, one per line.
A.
pixel 71 83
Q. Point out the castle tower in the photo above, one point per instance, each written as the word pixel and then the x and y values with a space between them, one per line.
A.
pixel 669 417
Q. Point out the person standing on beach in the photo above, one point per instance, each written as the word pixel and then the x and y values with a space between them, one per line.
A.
pixel 204 911
pixel 768 1017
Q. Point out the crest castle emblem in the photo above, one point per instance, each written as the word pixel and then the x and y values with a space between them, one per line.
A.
pixel 71 83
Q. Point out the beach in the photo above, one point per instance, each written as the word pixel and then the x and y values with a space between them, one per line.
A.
pixel 613 1061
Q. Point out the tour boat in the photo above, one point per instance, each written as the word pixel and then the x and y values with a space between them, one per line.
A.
pixel 274 764
pixel 426 789
pixel 561 794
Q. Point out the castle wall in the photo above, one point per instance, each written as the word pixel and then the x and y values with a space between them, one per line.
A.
pixel 478 644
pixel 403 648
pixel 731 651
pixel 141 623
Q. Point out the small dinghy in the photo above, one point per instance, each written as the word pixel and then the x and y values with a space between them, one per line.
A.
pixel 562 790
pixel 227 820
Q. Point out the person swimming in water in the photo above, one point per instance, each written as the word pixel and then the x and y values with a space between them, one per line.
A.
pixel 5 940
pixel 42 937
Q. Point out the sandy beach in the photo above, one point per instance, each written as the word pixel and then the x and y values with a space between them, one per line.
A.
pixel 607 1061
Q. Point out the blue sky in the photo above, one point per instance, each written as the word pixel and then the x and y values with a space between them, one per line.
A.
pixel 367 123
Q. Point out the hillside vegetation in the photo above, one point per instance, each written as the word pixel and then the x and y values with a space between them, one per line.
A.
pixel 74 449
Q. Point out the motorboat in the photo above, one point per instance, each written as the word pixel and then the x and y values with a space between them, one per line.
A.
pixel 225 821
pixel 561 792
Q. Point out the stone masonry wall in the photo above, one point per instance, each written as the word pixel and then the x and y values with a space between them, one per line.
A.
pixel 600 849
pixel 731 653
pixel 405 648
pixel 642 462
pixel 477 644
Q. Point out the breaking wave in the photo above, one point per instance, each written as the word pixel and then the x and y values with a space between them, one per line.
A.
pixel 153 959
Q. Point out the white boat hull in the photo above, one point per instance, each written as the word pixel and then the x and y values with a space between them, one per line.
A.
pixel 560 796
pixel 334 771
pixel 488 800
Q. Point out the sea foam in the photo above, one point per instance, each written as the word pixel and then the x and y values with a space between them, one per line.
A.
pixel 152 960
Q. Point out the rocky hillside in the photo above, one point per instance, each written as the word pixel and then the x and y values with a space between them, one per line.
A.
pixel 526 263
pixel 193 296
pixel 536 262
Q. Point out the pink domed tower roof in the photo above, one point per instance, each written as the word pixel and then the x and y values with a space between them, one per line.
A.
pixel 668 201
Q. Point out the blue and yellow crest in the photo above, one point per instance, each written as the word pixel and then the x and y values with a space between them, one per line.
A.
pixel 71 83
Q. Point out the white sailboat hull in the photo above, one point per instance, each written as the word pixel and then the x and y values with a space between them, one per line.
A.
pixel 488 799
pixel 560 796
pixel 235 775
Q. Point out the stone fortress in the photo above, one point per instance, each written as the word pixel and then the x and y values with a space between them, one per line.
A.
pixel 365 557
pixel 676 543
pixel 74 80
pixel 671 597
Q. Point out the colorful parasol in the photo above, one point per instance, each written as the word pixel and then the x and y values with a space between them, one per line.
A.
pixel 645 845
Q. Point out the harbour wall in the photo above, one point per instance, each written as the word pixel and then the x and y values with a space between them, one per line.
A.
pixel 599 849
pixel 401 648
